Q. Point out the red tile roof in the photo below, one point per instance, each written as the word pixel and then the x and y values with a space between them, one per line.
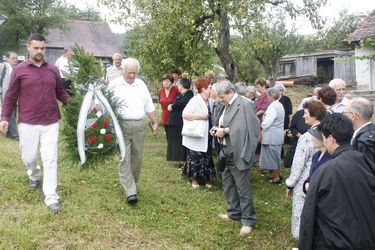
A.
pixel 366 29
pixel 95 37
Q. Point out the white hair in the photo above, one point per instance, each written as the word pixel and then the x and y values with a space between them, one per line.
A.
pixel 116 55
pixel 335 82
pixel 251 89
pixel 280 87
pixel 130 61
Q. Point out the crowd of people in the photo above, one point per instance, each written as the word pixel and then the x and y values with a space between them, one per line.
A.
pixel 245 126
pixel 332 151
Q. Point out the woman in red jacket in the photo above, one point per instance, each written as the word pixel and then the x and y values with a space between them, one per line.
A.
pixel 167 94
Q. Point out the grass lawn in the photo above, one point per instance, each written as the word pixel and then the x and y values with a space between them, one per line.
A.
pixel 169 214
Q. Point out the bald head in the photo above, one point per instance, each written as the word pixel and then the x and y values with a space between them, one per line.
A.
pixel 362 107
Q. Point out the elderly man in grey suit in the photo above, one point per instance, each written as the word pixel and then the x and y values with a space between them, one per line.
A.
pixel 5 72
pixel 237 132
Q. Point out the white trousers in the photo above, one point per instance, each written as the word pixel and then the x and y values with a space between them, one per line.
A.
pixel 43 138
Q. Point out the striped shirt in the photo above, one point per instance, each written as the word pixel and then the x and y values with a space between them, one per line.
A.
pixel 37 90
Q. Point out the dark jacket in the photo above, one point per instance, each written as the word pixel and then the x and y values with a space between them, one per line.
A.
pixel 365 141
pixel 288 108
pixel 175 116
pixel 315 164
pixel 339 209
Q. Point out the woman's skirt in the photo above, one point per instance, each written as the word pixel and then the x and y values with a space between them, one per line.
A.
pixel 175 150
pixel 270 157
pixel 199 165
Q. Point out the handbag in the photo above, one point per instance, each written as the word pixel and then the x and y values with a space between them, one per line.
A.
pixel 288 137
pixel 194 128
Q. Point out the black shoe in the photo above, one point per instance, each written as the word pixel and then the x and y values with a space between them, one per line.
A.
pixel 278 182
pixel 132 199
pixel 34 184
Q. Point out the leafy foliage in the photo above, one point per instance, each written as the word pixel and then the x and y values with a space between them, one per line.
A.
pixel 182 33
pixel 89 72
pixel 337 35
pixel 267 41
pixel 72 12
pixel 24 17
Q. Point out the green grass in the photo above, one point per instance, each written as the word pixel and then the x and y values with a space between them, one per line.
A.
pixel 169 214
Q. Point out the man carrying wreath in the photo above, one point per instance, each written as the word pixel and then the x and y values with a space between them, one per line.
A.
pixel 135 102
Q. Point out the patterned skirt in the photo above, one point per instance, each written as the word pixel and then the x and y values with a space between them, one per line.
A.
pixel 199 165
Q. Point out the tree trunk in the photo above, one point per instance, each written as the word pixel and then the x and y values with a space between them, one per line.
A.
pixel 222 49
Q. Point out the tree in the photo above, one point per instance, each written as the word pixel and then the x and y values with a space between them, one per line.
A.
pixel 208 21
pixel 24 17
pixel 72 12
pixel 337 35
pixel 267 41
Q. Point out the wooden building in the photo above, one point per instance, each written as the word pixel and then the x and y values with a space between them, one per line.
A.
pixel 95 37
pixel 321 66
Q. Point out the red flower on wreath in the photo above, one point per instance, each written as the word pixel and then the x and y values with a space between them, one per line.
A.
pixel 94 125
pixel 108 137
pixel 94 110
pixel 106 123
pixel 92 139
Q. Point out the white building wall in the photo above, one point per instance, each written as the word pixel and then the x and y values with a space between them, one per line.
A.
pixel 365 69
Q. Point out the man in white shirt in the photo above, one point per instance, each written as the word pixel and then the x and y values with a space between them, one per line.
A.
pixel 136 102
pixel 63 64
pixel 360 110
pixel 6 69
pixel 115 71
pixel 340 88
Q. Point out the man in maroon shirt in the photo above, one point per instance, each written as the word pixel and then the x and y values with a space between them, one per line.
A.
pixel 37 86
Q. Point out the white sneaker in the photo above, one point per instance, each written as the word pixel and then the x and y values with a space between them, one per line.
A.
pixel 225 217
pixel 245 231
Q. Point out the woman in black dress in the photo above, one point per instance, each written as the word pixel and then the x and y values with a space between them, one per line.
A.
pixel 175 150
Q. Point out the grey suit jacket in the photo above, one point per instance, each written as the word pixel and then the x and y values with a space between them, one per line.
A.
pixel 243 126
pixel 6 79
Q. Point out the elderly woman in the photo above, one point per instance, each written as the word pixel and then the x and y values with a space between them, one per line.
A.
pixel 262 101
pixel 237 132
pixel 315 111
pixel 199 165
pixel 272 136
pixel 175 150
pixel 167 94
pixel 251 93
pixel 240 88
pixel 319 158
pixel 287 104
pixel 288 109
pixel 327 96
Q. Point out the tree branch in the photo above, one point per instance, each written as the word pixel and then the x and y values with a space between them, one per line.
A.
pixel 275 2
